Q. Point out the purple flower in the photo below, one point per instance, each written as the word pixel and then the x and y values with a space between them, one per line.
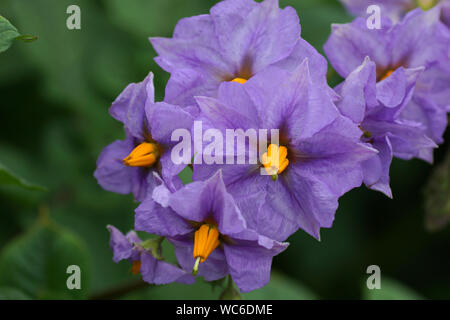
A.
pixel 396 9
pixel 127 166
pixel 319 151
pixel 238 39
pixel 418 41
pixel 375 108
pixel 209 233
pixel 153 269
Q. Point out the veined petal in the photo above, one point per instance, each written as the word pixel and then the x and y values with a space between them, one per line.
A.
pixel 130 104
pixel 161 272
pixel 249 265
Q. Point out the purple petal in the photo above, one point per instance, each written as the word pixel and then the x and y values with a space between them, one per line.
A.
pixel 114 176
pixel 445 12
pixel 165 118
pixel 349 44
pixel 303 50
pixel 300 108
pixel 225 212
pixel 283 213
pixel 357 91
pixel 193 46
pixel 304 201
pixel 407 138
pixel 249 32
pixel 170 170
pixel 249 264
pixel 340 138
pixel 153 216
pixel 120 244
pixel 432 118
pixel 246 185
pixel 223 116
pixel 191 202
pixel 235 96
pixel 376 169
pixel 129 106
pixel 185 84
pixel 434 84
pixel 200 200
pixel 392 90
pixel 416 40
pixel 160 272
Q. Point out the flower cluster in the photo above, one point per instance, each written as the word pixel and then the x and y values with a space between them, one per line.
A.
pixel 244 67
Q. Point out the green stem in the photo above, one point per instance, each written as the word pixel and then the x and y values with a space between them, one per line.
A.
pixel 230 292
pixel 195 269
pixel 119 291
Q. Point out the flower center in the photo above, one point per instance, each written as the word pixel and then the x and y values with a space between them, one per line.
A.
pixel 275 160
pixel 206 239
pixel 144 155
pixel 387 74
pixel 426 4
pixel 239 80
pixel 136 268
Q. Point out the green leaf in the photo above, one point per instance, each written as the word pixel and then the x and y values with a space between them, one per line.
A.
pixel 7 34
pixel 36 263
pixel 27 38
pixel 391 290
pixel 186 175
pixel 154 247
pixel 437 197
pixel 9 178
pixel 7 293
pixel 280 287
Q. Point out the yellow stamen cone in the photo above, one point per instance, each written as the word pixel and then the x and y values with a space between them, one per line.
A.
pixel 239 80
pixel 144 155
pixel 426 4
pixel 206 239
pixel 387 74
pixel 136 268
pixel 275 160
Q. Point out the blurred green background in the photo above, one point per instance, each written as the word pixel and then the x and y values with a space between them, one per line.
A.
pixel 55 93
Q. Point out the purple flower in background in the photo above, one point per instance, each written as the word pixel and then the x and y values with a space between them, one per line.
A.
pixel 238 39
pixel 418 41
pixel 209 233
pixel 361 100
pixel 319 151
pixel 396 9
pixel 153 269
pixel 127 166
